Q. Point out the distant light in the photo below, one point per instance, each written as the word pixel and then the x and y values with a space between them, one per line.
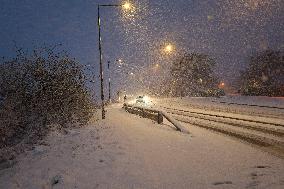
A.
pixel 147 99
pixel 222 85
pixel 120 61
pixel 210 17
pixel 169 48
pixel 131 73
pixel 126 6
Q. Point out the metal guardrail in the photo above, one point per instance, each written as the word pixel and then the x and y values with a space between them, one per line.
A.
pixel 154 114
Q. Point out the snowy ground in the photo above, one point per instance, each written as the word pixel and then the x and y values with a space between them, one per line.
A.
pixel 244 105
pixel 125 151
pixel 259 120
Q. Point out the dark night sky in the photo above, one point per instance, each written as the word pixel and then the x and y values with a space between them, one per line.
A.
pixel 228 30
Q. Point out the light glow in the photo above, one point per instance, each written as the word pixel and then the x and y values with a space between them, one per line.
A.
pixel 169 48
pixel 147 99
pixel 126 6
pixel 120 61
pixel 222 85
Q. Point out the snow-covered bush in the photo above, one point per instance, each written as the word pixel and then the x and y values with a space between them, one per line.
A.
pixel 38 90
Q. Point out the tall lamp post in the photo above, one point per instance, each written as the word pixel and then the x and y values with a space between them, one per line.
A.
pixel 109 79
pixel 125 6
pixel 109 91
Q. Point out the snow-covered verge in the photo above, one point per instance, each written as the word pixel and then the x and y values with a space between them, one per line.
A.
pixel 25 140
pixel 244 105
pixel 252 119
pixel 126 151
pixel 253 100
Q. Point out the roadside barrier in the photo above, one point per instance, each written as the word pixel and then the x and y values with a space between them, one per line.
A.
pixel 154 114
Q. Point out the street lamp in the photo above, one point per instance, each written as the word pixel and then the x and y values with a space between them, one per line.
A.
pixel 109 77
pixel 109 90
pixel 125 6
pixel 169 48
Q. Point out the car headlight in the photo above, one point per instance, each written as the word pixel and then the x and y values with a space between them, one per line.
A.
pixel 147 99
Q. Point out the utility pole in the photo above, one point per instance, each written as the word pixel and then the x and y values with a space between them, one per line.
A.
pixel 109 84
pixel 101 66
pixel 126 6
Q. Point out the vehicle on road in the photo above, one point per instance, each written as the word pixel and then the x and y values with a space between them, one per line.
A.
pixel 140 99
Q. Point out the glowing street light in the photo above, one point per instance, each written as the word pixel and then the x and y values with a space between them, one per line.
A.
pixel 222 85
pixel 126 6
pixel 169 48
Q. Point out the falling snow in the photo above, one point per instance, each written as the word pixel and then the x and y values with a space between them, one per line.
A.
pixel 228 31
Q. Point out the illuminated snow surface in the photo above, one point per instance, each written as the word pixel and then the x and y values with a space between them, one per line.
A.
pixel 126 151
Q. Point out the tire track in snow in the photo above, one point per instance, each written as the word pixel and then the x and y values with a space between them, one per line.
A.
pixel 269 136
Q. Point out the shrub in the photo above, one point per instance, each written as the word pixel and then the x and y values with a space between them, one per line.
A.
pixel 38 90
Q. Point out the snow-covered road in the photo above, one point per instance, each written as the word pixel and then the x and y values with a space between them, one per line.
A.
pixel 257 120
pixel 126 151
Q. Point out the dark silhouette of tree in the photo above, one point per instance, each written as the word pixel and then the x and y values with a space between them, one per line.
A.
pixel 264 75
pixel 193 75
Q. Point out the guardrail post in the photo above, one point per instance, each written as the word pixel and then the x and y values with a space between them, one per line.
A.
pixel 143 113
pixel 160 117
